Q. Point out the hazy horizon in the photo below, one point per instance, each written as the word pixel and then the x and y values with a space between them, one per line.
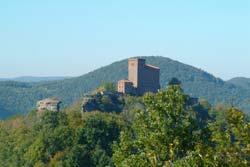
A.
pixel 64 76
pixel 71 38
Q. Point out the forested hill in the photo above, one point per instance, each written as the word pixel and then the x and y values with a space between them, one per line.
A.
pixel 241 82
pixel 33 79
pixel 19 98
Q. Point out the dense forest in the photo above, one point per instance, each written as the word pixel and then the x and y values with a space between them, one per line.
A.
pixel 18 98
pixel 150 131
pixel 241 82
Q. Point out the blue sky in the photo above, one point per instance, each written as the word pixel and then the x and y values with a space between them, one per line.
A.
pixel 70 38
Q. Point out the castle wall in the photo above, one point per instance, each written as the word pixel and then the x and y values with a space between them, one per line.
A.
pixel 142 78
pixel 148 78
pixel 125 86
pixel 135 66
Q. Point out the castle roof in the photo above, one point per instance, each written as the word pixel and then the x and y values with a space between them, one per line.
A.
pixel 151 66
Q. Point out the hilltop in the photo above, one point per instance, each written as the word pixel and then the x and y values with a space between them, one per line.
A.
pixel 241 82
pixel 19 98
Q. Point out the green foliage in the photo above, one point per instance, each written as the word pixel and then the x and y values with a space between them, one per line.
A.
pixel 154 130
pixel 160 135
pixel 169 134
pixel 241 82
pixel 174 81
pixel 110 103
pixel 231 138
pixel 51 141
pixel 18 98
pixel 107 87
pixel 132 103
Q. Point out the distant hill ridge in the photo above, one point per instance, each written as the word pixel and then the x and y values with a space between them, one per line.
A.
pixel 19 98
pixel 241 82
pixel 33 79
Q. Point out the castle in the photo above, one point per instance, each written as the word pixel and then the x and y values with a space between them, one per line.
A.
pixel 142 78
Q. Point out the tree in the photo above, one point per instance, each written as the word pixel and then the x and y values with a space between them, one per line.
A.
pixel 106 87
pixel 160 135
pixel 97 135
pixel 174 81
pixel 231 140
pixel 55 135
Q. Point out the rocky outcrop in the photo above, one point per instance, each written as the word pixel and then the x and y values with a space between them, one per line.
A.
pixel 103 101
pixel 49 104
pixel 89 103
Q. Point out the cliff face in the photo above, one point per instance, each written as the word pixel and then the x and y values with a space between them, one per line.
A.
pixel 104 101
pixel 89 103
pixel 50 104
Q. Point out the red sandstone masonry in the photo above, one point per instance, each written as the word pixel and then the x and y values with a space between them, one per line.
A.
pixel 142 78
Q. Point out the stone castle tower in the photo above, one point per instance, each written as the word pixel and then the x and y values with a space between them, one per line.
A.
pixel 142 78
